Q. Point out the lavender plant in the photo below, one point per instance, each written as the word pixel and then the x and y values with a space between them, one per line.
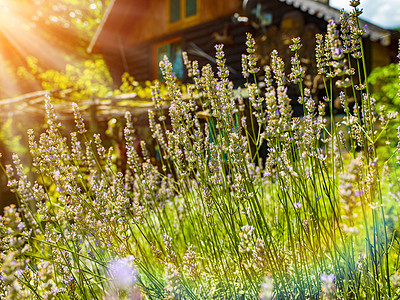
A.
pixel 315 219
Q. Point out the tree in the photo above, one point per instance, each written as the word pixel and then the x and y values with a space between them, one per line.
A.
pixel 56 34
pixel 386 84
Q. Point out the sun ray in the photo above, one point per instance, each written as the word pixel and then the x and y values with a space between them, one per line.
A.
pixel 23 35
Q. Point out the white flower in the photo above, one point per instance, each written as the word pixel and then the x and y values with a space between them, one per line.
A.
pixel 122 272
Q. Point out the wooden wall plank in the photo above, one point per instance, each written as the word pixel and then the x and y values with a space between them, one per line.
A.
pixel 138 57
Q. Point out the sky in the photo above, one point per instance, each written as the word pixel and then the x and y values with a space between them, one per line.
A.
pixel 384 13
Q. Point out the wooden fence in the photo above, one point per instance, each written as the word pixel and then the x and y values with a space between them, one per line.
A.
pixel 99 109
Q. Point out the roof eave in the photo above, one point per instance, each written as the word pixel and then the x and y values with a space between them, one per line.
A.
pixel 99 29
pixel 321 10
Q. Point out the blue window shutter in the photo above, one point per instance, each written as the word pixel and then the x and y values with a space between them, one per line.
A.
pixel 161 51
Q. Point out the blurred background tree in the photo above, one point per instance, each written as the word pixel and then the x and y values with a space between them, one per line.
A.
pixel 385 82
pixel 71 22
pixel 386 85
pixel 37 36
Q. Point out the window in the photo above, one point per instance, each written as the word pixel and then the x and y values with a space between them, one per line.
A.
pixel 191 8
pixel 173 50
pixel 182 9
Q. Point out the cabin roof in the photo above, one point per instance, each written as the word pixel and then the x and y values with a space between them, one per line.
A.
pixel 117 9
pixel 321 10
pixel 101 26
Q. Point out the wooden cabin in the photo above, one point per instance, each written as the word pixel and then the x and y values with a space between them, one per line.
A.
pixel 135 34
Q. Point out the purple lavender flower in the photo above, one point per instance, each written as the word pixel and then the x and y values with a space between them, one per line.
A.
pixel 358 193
pixel 21 226
pixel 328 287
pixel 338 51
pixel 328 278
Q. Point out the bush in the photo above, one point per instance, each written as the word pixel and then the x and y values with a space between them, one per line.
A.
pixel 315 218
pixel 386 83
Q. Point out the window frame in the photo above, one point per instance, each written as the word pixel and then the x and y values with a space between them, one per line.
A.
pixel 156 46
pixel 183 19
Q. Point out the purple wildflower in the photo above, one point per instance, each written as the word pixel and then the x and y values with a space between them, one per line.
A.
pixel 122 273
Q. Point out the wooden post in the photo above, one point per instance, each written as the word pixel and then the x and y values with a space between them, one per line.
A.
pixel 93 114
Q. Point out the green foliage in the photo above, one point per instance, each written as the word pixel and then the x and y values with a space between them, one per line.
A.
pixel 92 78
pixel 385 82
pixel 386 85
pixel 78 17
pixel 142 89
pixel 11 139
